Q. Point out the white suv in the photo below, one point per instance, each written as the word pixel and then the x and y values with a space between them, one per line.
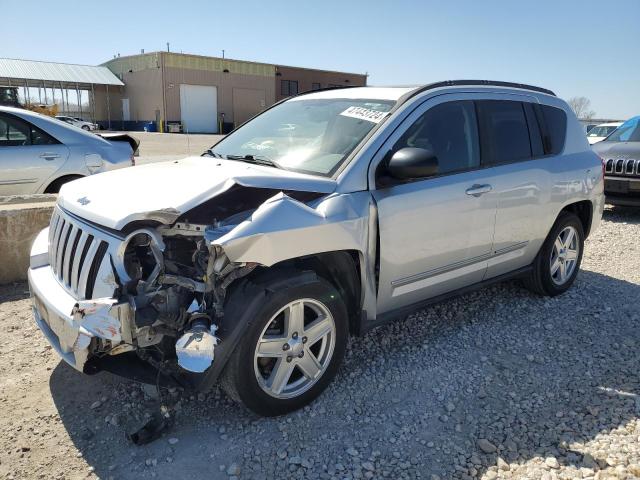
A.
pixel 602 131
pixel 257 260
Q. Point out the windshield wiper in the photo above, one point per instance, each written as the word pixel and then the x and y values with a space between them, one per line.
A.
pixel 210 153
pixel 256 159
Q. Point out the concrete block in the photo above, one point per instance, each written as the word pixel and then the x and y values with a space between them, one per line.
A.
pixel 21 218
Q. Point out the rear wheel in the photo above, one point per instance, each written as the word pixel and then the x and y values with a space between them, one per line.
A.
pixel 557 264
pixel 292 350
pixel 85 127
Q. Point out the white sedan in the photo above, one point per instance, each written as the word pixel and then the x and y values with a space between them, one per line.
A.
pixel 78 122
pixel 38 153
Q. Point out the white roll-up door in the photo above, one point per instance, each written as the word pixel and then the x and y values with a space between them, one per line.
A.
pixel 199 108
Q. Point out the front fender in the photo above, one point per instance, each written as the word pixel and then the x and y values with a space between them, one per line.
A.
pixel 283 228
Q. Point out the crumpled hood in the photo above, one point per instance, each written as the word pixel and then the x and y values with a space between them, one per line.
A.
pixel 163 191
pixel 617 150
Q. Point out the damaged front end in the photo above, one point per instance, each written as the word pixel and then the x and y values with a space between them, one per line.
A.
pixel 155 291
pixel 168 289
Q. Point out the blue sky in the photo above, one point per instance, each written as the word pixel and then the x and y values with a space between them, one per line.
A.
pixel 576 48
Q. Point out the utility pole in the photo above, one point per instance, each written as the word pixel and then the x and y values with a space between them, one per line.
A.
pixel 167 46
pixel 223 53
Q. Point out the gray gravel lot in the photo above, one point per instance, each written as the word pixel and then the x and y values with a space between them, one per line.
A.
pixel 495 384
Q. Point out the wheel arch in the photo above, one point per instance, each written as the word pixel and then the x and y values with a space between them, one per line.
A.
pixel 584 211
pixel 55 184
pixel 343 270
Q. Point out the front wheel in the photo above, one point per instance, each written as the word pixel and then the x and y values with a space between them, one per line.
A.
pixel 292 349
pixel 85 128
pixel 557 264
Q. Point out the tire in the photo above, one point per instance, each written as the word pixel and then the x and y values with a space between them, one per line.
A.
pixel 547 277
pixel 85 128
pixel 253 379
pixel 54 187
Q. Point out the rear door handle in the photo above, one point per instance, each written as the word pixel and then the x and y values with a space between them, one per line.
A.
pixel 49 156
pixel 477 190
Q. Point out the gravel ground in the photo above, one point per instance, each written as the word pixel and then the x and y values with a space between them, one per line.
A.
pixel 496 384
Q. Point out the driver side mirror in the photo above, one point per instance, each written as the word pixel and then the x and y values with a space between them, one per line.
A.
pixel 411 163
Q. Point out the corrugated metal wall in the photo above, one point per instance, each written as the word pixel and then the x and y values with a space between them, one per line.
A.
pixel 135 63
pixel 212 64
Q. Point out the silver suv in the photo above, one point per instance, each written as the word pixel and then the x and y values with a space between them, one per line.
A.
pixel 326 215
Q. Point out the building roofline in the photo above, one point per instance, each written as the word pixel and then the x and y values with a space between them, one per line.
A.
pixel 42 70
pixel 162 52
pixel 320 70
pixel 276 65
pixel 47 61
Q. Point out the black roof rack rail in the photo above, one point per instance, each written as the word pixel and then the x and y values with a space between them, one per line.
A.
pixel 460 83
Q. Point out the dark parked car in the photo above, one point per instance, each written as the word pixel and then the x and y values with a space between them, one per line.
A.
pixel 620 153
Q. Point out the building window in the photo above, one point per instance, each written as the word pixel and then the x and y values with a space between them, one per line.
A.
pixel 315 86
pixel 333 85
pixel 288 87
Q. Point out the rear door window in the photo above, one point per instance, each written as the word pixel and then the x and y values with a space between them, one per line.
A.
pixel 503 131
pixel 15 132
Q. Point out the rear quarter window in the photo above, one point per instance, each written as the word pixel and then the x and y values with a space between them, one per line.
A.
pixel 553 122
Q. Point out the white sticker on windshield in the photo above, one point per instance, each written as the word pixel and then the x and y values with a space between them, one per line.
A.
pixel 364 114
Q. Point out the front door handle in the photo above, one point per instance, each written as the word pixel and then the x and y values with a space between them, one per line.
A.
pixel 477 190
pixel 49 156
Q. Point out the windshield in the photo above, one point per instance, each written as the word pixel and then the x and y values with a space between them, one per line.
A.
pixel 601 131
pixel 311 136
pixel 629 131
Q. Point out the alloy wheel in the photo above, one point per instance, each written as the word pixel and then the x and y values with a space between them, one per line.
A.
pixel 295 348
pixel 564 255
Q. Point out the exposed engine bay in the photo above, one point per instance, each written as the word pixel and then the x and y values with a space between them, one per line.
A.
pixel 170 285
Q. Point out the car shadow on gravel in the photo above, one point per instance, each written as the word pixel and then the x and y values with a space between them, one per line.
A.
pixel 498 373
pixel 622 214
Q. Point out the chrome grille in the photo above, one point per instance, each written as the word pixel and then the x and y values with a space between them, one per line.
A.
pixel 622 167
pixel 74 254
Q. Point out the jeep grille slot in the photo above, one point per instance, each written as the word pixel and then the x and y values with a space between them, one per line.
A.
pixel 609 166
pixel 629 167
pixel 74 254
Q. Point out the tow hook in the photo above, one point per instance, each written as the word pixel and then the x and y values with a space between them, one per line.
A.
pixel 195 348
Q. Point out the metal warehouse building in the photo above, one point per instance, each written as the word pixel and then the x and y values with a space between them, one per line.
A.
pixel 75 90
pixel 205 94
